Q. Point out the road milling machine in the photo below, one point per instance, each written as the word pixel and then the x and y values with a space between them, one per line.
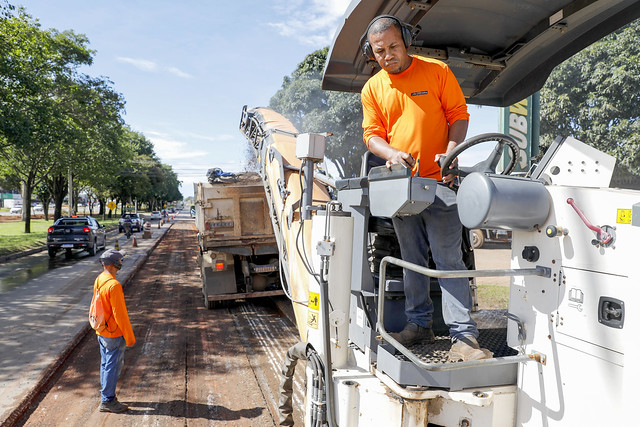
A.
pixel 563 348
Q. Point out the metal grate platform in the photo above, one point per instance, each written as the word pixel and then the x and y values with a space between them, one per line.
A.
pixel 493 335
pixel 492 326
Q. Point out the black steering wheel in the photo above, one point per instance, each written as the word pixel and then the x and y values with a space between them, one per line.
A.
pixel 489 164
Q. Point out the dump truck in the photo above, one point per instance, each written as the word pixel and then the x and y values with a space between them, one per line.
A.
pixel 238 255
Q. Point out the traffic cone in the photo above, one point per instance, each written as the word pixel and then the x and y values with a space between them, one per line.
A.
pixel 117 247
pixel 135 242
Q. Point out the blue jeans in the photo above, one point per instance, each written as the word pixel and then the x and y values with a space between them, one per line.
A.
pixel 111 362
pixel 438 227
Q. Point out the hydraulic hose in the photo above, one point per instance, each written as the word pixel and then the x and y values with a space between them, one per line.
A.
pixel 285 407
pixel 302 351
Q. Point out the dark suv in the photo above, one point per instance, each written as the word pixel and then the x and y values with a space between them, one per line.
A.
pixel 83 232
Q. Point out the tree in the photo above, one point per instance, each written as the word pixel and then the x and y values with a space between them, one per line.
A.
pixel 594 97
pixel 37 67
pixel 56 122
pixel 312 109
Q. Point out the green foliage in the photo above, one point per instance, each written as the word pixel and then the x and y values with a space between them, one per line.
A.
pixel 311 109
pixel 313 64
pixel 594 97
pixel 55 120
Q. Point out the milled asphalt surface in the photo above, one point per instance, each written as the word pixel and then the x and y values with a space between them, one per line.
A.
pixel 44 319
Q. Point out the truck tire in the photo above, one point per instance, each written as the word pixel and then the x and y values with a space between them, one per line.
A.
pixel 52 253
pixel 477 239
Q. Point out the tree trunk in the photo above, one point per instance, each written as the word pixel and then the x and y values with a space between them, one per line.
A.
pixel 45 205
pixel 27 188
pixel 59 189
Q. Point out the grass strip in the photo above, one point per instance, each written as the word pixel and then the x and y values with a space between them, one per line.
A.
pixel 492 297
pixel 13 238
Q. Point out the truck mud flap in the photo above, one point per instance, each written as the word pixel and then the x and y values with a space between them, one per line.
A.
pixel 218 282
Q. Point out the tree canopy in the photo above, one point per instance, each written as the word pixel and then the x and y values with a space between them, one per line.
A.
pixel 311 109
pixel 56 122
pixel 594 97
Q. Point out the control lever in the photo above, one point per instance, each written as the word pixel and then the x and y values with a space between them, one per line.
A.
pixel 603 237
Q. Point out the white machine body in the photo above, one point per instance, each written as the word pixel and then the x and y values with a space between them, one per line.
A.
pixel 582 318
pixel 578 320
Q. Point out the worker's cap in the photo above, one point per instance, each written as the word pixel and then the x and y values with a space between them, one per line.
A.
pixel 111 257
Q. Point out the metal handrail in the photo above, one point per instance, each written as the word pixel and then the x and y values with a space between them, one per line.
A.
pixel 537 271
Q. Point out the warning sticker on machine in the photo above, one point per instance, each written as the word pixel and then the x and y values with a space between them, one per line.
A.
pixel 312 319
pixel 314 301
pixel 313 312
pixel 624 216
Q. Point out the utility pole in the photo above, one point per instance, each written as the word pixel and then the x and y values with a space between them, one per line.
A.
pixel 71 210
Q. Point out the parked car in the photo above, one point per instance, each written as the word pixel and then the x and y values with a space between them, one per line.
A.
pixel 155 215
pixel 484 235
pixel 136 222
pixel 16 210
pixel 82 232
pixel 38 209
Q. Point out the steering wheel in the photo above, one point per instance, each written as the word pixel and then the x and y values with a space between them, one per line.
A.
pixel 489 164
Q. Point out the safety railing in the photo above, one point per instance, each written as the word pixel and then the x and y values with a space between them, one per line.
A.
pixel 537 271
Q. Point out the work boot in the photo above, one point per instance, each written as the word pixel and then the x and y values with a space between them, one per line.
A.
pixel 413 333
pixel 113 406
pixel 467 348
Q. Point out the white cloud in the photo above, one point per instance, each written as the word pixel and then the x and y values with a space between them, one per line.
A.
pixel 312 23
pixel 179 73
pixel 168 148
pixel 189 163
pixel 141 64
pixel 150 66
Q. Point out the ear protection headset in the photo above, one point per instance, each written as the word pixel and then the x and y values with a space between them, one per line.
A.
pixel 405 30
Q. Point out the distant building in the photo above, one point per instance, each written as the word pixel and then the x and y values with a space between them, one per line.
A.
pixel 9 199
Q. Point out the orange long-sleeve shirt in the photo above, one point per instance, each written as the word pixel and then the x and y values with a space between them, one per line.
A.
pixel 413 110
pixel 118 324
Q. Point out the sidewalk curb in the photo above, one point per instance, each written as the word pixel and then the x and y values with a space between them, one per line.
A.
pixel 66 352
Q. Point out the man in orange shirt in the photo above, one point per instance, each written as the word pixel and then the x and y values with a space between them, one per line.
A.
pixel 414 113
pixel 117 335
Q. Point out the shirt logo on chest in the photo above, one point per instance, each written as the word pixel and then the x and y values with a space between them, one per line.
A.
pixel 423 92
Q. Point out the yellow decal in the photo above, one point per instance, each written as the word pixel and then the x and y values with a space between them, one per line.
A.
pixel 312 319
pixel 314 301
pixel 624 216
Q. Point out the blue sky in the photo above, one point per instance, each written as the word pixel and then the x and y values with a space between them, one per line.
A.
pixel 187 68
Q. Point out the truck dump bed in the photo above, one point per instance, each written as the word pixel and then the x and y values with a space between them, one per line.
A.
pixel 233 213
pixel 238 249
